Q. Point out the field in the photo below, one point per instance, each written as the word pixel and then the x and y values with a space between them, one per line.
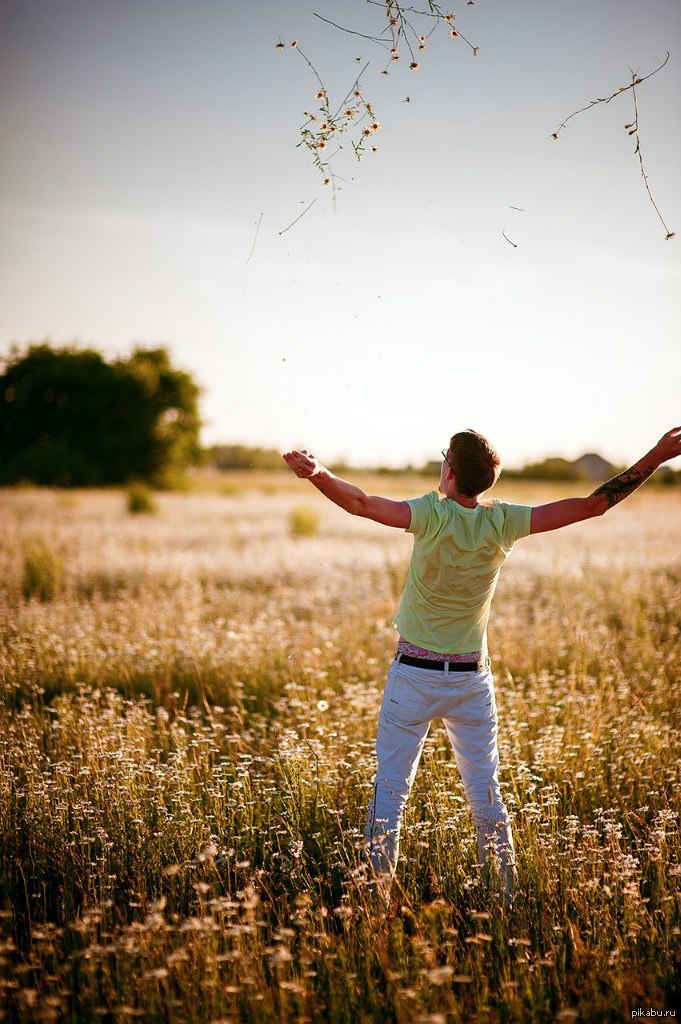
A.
pixel 188 717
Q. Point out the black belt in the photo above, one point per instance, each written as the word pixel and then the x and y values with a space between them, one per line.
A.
pixel 454 666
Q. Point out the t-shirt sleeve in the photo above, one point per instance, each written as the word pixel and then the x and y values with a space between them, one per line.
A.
pixel 421 511
pixel 517 521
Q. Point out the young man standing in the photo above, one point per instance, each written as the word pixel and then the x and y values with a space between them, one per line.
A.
pixel 441 668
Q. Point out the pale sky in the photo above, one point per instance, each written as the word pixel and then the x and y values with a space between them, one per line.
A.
pixel 144 139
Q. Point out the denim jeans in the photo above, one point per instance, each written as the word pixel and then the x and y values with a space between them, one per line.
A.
pixel 466 703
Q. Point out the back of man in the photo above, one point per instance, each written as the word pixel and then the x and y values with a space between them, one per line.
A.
pixel 458 552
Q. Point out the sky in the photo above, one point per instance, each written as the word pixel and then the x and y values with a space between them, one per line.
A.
pixel 151 175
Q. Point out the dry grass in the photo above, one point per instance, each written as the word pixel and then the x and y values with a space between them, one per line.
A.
pixel 187 750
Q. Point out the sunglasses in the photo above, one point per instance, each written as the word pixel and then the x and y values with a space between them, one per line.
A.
pixel 444 456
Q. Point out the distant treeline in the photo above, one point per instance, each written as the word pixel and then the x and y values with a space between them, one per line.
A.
pixel 591 467
pixel 241 456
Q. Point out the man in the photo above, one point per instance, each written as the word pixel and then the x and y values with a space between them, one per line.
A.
pixel 441 668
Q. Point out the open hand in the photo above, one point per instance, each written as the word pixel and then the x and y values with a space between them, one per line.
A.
pixel 669 446
pixel 304 464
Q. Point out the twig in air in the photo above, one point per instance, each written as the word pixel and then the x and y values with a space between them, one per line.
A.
pixel 257 228
pixel 300 215
pixel 606 99
pixel 508 239
pixel 518 208
pixel 633 130
pixel 373 39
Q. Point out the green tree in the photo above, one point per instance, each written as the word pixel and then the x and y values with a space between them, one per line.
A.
pixel 69 418
pixel 169 416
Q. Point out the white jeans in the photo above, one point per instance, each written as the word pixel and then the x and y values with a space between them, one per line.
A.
pixel 466 702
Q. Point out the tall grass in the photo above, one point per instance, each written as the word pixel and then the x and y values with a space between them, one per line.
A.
pixel 140 500
pixel 187 752
pixel 43 569
pixel 304 521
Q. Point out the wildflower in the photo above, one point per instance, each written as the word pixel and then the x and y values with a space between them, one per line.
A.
pixel 414 66
pixel 279 46
pixel 294 44
pixel 280 955
pixel 349 112
pixel 323 126
pixel 321 143
pixel 453 33
pixel 439 975
pixel 322 705
pixel 374 149
pixel 422 47
pixel 357 93
pixel 375 126
pixel 320 95
pixel 476 51
pixel 327 181
pixel 422 39
pixel 366 131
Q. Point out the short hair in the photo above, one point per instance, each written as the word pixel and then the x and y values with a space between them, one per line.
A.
pixel 474 462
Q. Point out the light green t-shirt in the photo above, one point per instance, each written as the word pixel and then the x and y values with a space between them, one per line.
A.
pixel 458 553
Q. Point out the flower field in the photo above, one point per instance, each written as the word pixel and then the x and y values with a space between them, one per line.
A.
pixel 189 707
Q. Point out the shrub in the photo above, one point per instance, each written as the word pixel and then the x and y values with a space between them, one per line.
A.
pixel 303 521
pixel 140 499
pixel 43 570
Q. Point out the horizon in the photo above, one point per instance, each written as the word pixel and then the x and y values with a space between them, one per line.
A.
pixel 405 466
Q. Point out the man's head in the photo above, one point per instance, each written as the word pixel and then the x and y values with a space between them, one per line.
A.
pixel 474 462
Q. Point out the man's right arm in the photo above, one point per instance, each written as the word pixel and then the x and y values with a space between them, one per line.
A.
pixel 573 510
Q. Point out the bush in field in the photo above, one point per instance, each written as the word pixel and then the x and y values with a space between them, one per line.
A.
pixel 42 570
pixel 303 521
pixel 140 499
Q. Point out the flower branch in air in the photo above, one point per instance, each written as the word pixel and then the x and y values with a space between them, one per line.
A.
pixel 407 28
pixel 632 128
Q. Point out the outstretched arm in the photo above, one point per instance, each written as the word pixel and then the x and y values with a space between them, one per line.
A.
pixel 351 498
pixel 572 510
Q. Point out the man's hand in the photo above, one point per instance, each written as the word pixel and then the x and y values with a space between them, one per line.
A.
pixel 346 495
pixel 304 464
pixel 669 446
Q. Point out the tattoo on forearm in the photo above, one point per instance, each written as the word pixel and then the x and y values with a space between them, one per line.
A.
pixel 620 486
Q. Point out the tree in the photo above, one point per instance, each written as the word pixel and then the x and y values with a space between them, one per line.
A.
pixel 69 418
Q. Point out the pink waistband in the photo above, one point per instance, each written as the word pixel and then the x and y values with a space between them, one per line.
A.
pixel 404 647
